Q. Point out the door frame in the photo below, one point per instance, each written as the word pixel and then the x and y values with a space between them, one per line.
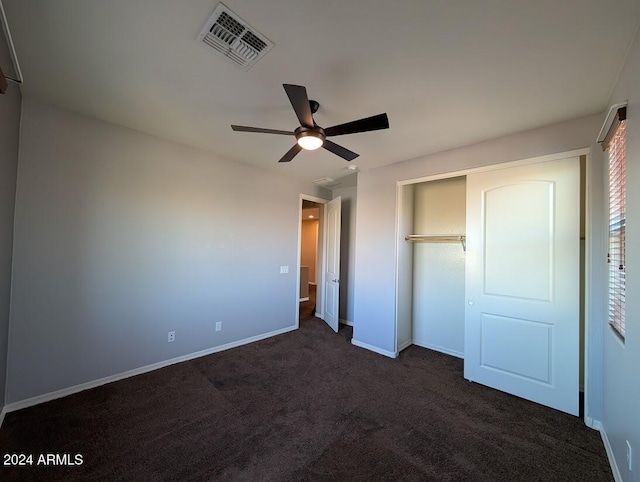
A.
pixel 591 320
pixel 319 261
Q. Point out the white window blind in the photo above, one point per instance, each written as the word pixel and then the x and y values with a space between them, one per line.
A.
pixel 615 145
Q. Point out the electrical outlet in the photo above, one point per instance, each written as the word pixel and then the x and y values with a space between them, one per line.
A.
pixel 218 326
pixel 284 269
pixel 629 456
pixel 171 337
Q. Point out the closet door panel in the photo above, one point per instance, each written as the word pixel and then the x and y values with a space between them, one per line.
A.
pixel 522 281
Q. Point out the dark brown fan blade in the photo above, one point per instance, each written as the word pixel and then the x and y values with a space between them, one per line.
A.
pixel 339 150
pixel 300 103
pixel 373 123
pixel 291 153
pixel 261 130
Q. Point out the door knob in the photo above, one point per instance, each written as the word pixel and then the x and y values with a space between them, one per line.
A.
pixel 336 281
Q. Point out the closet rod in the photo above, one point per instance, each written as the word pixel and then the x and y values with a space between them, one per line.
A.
pixel 437 238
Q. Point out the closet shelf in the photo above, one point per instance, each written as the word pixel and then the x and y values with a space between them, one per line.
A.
pixel 438 238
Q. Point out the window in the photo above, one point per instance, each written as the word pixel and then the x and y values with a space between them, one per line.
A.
pixel 615 145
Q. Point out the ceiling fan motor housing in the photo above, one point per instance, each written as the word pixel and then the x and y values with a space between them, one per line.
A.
pixel 314 105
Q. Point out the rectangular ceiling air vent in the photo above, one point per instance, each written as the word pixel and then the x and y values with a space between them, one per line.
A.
pixel 231 36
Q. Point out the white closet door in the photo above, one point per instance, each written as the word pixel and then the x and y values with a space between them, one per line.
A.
pixel 522 281
pixel 332 263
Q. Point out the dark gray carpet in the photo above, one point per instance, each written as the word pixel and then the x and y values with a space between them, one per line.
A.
pixel 304 406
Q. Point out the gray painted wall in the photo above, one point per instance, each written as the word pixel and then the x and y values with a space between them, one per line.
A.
pixel 9 135
pixel 621 396
pixel 121 237
pixel 374 304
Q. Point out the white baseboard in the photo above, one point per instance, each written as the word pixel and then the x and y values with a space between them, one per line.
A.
pixel 594 424
pixel 3 412
pixel 404 346
pixel 29 402
pixel 375 349
pixel 617 476
pixel 304 299
pixel 346 322
pixel 441 349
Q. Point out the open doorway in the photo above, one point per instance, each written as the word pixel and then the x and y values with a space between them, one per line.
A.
pixel 327 258
pixel 309 255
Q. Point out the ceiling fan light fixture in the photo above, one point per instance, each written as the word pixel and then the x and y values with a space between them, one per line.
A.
pixel 310 140
pixel 310 136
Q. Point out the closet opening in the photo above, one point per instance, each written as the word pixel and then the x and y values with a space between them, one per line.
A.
pixel 506 304
pixel 434 215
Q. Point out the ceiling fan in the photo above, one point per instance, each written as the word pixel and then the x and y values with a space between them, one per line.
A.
pixel 311 136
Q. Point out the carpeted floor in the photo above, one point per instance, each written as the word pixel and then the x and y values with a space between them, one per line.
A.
pixel 304 406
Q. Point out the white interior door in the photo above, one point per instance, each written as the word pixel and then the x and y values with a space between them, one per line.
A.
pixel 522 281
pixel 331 275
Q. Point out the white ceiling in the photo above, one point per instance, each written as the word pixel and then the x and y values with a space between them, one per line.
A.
pixel 447 72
